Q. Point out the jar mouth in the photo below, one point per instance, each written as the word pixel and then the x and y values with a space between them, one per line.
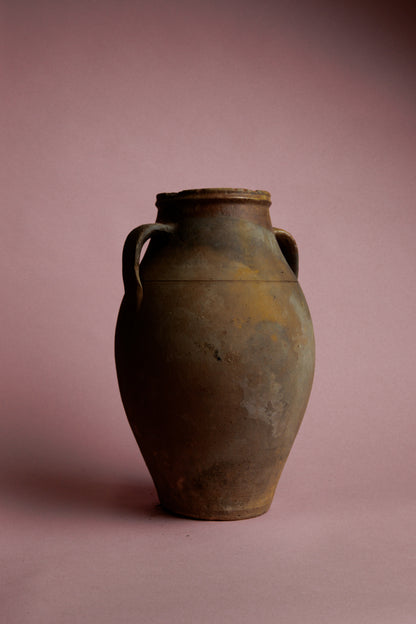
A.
pixel 215 194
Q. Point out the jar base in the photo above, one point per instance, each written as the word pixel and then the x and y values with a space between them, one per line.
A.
pixel 218 514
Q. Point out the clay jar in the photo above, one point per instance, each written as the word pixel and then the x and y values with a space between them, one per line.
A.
pixel 214 351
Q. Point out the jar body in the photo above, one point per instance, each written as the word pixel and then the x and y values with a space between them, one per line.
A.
pixel 215 362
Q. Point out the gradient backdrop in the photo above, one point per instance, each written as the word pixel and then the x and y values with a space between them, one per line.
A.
pixel 106 103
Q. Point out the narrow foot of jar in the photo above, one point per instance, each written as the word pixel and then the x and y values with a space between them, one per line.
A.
pixel 217 514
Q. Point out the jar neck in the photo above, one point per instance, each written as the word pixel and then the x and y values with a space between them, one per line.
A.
pixel 244 204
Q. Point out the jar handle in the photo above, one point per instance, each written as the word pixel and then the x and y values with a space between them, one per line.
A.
pixel 131 254
pixel 288 248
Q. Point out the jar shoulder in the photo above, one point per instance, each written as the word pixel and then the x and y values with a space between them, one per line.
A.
pixel 216 249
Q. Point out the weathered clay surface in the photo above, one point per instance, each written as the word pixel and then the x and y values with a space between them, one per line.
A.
pixel 214 353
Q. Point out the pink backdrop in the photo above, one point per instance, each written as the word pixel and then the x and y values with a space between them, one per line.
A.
pixel 104 105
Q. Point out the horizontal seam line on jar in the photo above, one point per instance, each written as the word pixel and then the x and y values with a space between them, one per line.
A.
pixel 220 280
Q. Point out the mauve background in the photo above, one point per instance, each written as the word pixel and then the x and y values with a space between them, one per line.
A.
pixel 106 103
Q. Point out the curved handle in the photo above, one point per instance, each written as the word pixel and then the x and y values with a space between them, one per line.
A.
pixel 288 248
pixel 131 254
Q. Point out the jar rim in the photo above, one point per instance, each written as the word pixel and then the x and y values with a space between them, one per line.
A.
pixel 215 194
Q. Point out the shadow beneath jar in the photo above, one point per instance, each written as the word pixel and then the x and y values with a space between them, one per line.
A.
pixel 50 490
pixel 46 468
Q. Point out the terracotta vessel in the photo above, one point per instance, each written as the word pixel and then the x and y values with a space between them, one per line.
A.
pixel 214 351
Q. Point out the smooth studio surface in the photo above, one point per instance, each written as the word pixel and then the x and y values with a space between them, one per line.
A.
pixel 106 104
